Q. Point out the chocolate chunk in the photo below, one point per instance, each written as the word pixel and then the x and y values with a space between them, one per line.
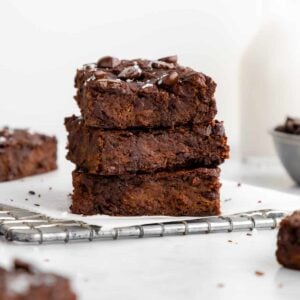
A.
pixel 132 72
pixel 162 65
pixel 108 62
pixel 170 79
pixel 169 59
pixel 100 74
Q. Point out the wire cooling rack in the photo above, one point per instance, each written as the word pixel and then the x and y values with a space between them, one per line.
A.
pixel 24 226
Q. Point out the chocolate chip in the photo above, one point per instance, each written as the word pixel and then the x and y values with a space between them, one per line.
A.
pixel 108 62
pixel 169 59
pixel 170 79
pixel 100 74
pixel 132 72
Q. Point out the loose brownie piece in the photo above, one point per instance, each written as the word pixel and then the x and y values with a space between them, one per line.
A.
pixel 108 152
pixel 23 282
pixel 123 94
pixel 291 125
pixel 181 193
pixel 23 153
pixel 288 244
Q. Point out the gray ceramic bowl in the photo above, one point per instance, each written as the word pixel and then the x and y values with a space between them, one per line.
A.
pixel 288 149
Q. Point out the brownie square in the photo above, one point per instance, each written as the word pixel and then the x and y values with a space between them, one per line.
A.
pixel 23 153
pixel 115 152
pixel 24 282
pixel 288 243
pixel 181 193
pixel 120 94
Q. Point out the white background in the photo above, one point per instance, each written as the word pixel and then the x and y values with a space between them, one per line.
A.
pixel 43 42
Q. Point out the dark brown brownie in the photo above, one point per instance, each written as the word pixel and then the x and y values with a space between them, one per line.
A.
pixel 23 282
pixel 23 153
pixel 291 125
pixel 181 193
pixel 288 244
pixel 118 152
pixel 124 94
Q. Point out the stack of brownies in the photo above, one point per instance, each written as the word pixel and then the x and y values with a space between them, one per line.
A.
pixel 147 142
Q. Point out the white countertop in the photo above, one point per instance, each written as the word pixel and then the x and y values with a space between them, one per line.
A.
pixel 187 267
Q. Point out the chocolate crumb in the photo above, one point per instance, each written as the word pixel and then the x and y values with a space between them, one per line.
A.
pixel 11 200
pixel 259 273
pixel 26 199
pixel 239 184
pixel 230 241
pixel 228 199
pixel 31 192
pixel 220 285
pixel 259 201
pixel 249 234
pixel 39 195
pixel 50 188
pixel 37 204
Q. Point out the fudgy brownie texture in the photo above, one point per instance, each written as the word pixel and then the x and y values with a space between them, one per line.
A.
pixel 23 282
pixel 123 94
pixel 291 125
pixel 181 193
pixel 118 152
pixel 23 153
pixel 288 244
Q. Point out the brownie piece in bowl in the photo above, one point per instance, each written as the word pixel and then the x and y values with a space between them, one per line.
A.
pixel 287 143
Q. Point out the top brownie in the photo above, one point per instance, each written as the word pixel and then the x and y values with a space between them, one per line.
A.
pixel 139 93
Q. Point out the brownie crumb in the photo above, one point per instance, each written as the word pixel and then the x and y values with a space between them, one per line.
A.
pixel 239 184
pixel 11 200
pixel 31 192
pixel 26 199
pixel 227 199
pixel 230 241
pixel 37 204
pixel 39 195
pixel 259 273
pixel 259 201
pixel 249 234
pixel 50 188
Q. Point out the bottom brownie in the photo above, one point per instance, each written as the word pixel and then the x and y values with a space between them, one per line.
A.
pixel 25 283
pixel 182 193
pixel 288 251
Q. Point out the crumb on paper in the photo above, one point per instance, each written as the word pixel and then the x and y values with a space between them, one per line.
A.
pixel 31 192
pixel 259 273
pixel 230 241
pixel 239 184
pixel 249 234
pixel 259 201
pixel 50 188
pixel 39 195
pixel 280 285
pixel 227 199
pixel 36 204
pixel 26 199
pixel 220 285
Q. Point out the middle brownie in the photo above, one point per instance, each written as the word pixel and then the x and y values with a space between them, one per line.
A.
pixel 118 152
